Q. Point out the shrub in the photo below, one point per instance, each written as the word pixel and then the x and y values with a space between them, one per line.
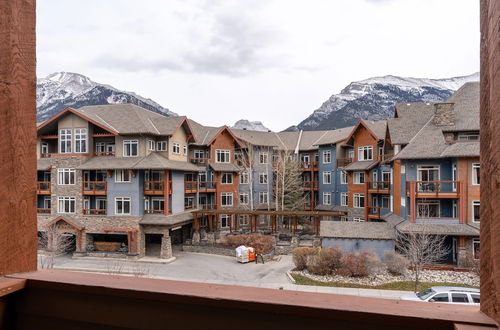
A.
pixel 302 257
pixel 261 243
pixel 353 265
pixel 326 261
pixel 373 264
pixel 396 263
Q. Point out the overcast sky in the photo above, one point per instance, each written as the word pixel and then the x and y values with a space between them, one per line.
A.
pixel 269 60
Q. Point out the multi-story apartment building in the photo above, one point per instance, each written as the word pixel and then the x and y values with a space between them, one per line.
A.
pixel 124 174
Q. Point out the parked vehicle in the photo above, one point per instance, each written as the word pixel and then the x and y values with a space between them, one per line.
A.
pixel 447 295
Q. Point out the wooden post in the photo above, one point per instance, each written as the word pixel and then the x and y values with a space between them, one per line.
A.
pixel 196 224
pixel 217 222
pixel 210 222
pixel 490 159
pixel 166 192
pixel 18 220
pixel 231 222
pixel 128 242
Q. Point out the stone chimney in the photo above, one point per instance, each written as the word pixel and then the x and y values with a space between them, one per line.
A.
pixel 444 114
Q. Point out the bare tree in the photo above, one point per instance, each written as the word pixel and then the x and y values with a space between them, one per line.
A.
pixel 421 248
pixel 55 243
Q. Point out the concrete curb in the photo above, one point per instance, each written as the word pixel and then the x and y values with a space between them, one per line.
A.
pixel 290 277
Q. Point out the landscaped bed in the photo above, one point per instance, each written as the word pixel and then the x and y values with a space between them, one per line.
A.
pixel 398 285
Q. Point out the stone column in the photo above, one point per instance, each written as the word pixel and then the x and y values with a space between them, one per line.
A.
pixel 166 247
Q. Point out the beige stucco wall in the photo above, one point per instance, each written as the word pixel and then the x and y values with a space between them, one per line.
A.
pixel 72 121
pixel 180 137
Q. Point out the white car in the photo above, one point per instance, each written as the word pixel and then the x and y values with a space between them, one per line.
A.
pixel 446 294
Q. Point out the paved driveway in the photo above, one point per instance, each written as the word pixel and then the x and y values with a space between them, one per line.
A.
pixel 208 268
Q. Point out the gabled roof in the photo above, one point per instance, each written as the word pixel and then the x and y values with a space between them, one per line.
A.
pixel 220 131
pixel 223 167
pixel 361 165
pixel 70 221
pixel 377 129
pixel 438 229
pixel 77 113
pixel 411 117
pixel 429 142
pixel 334 136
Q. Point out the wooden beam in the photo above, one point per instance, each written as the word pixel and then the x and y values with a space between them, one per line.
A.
pixel 18 220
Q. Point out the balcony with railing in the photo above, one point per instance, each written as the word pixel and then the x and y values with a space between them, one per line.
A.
pixel 206 186
pixel 377 212
pixel 310 185
pixel 104 153
pixel 200 161
pixel 94 211
pixel 190 187
pixel 154 211
pixel 207 206
pixel 379 187
pixel 308 166
pixel 94 187
pixel 434 189
pixel 343 162
pixel 43 188
pixel 41 210
pixel 156 187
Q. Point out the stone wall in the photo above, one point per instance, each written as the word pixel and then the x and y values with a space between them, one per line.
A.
pixel 219 250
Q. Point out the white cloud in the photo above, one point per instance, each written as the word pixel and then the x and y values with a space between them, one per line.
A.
pixel 269 60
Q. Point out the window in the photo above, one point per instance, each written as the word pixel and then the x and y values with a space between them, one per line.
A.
pixel 244 177
pixel 66 204
pixel 158 204
pixel 161 146
pixel 475 298
pixel 122 205
pixel 358 219
pixel 327 157
pixel 243 219
pixel 80 140
pixel 244 198
pixel 226 178
pixel 151 145
pixel 359 200
pixel 263 178
pixel 184 150
pixel 476 216
pixel 440 297
pixel 359 177
pixel 176 148
pixel 222 156
pixel 65 176
pixel 428 209
pixel 263 158
pixel 327 177
pixel 468 136
pixel 350 153
pixel 65 136
pixel 365 153
pixel 47 202
pixel 100 147
pixel 226 199
pixel 476 178
pixel 429 174
pixel 44 148
pixel 344 218
pixel 263 197
pixel 475 248
pixel 459 298
pixel 386 177
pixel 343 177
pixel 224 220
pixel 344 199
pixel 101 203
pixel 386 202
pixel 130 148
pixel 327 198
pixel 122 176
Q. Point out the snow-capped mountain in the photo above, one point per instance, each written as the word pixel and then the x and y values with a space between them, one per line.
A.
pixel 374 99
pixel 250 125
pixel 65 89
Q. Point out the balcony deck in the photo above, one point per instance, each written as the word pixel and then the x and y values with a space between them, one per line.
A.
pixel 94 188
pixel 379 187
pixel 156 187
pixel 43 188
pixel 343 162
pixel 433 189
pixel 94 211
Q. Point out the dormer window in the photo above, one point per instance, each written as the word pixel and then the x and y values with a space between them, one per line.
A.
pixel 468 136
pixel 176 148
pixel 365 153
pixel 161 146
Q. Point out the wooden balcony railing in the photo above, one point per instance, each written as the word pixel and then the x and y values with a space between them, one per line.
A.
pixel 308 185
pixel 94 187
pixel 43 210
pixel 189 207
pixel 94 211
pixel 206 186
pixel 104 153
pixel 308 166
pixel 379 186
pixel 152 211
pixel 433 188
pixel 43 187
pixel 190 187
pixel 207 206
pixel 199 161
pixel 343 162
pixel 374 212
pixel 156 187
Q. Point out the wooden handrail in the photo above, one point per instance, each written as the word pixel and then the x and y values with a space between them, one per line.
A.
pixel 104 153
pixel 94 187
pixel 43 187
pixel 342 162
pixel 94 211
pixel 43 210
pixel 153 211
